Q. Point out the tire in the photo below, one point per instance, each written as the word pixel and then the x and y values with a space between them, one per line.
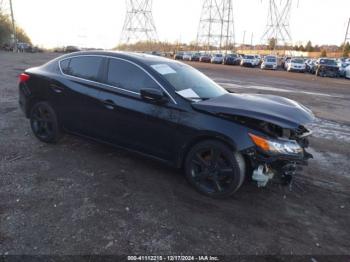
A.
pixel 214 169
pixel 44 123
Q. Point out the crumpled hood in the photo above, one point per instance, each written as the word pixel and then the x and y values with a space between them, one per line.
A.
pixel 277 110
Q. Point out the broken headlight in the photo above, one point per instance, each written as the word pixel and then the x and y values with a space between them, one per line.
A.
pixel 276 146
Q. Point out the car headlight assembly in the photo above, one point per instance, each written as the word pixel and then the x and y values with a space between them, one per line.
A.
pixel 276 146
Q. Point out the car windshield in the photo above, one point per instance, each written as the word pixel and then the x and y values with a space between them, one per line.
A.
pixel 218 55
pixel 189 82
pixel 298 61
pixel 328 62
pixel 271 59
pixel 249 57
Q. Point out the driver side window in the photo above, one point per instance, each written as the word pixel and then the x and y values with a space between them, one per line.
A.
pixel 125 75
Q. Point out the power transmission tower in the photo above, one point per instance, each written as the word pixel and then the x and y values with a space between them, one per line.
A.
pixel 278 20
pixel 347 35
pixel 216 25
pixel 139 24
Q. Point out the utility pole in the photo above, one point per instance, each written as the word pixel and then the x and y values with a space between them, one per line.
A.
pixel 347 35
pixel 13 28
pixel 251 40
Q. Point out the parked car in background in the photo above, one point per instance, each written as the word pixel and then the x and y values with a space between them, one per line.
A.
pixel 232 59
pixel 269 62
pixel 285 64
pixel 296 65
pixel 258 60
pixel 157 53
pixel 24 47
pixel 205 58
pixel 249 60
pixel 284 60
pixel 179 55
pixel 342 65
pixel 187 56
pixel 327 67
pixel 217 59
pixel 195 57
pixel 171 112
pixel 347 72
pixel 71 49
pixel 310 66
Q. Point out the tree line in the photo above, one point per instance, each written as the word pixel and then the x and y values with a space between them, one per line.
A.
pixel 6 32
pixel 309 47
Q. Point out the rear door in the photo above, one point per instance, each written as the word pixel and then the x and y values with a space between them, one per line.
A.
pixel 78 92
pixel 130 121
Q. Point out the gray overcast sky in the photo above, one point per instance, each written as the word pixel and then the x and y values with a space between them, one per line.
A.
pixel 98 23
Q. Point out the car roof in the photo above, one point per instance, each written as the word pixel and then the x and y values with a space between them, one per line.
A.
pixel 132 56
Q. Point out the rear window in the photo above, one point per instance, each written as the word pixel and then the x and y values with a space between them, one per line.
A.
pixel 86 67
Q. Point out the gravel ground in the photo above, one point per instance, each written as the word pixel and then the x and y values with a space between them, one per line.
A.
pixel 80 197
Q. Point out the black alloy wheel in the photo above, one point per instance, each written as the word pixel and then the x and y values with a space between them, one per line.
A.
pixel 44 124
pixel 214 169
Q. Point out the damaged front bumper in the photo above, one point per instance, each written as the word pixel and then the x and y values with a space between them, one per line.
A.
pixel 277 167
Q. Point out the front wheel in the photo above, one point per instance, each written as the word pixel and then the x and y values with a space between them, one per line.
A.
pixel 214 169
pixel 44 123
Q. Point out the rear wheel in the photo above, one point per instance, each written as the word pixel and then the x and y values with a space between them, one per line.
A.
pixel 44 123
pixel 214 169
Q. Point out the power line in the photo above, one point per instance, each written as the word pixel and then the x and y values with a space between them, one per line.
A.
pixel 139 24
pixel 216 25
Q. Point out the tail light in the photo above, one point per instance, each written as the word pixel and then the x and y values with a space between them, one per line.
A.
pixel 23 78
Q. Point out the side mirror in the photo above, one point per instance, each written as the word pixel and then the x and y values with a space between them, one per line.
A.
pixel 153 95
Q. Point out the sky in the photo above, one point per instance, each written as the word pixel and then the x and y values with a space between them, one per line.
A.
pixel 89 23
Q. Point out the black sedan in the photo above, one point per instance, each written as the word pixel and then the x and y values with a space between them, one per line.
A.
pixel 169 111
pixel 232 59
pixel 327 67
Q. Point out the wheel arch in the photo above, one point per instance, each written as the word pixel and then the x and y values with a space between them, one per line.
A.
pixel 198 139
pixel 31 103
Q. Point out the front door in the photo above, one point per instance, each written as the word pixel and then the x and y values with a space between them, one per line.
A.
pixel 128 120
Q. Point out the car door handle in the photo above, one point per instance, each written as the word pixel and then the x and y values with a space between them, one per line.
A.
pixel 109 104
pixel 56 88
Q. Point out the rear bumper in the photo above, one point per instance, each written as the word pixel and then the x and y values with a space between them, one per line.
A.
pixel 23 98
pixel 248 64
pixel 269 67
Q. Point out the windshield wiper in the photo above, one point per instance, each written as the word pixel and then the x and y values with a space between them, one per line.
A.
pixel 198 98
